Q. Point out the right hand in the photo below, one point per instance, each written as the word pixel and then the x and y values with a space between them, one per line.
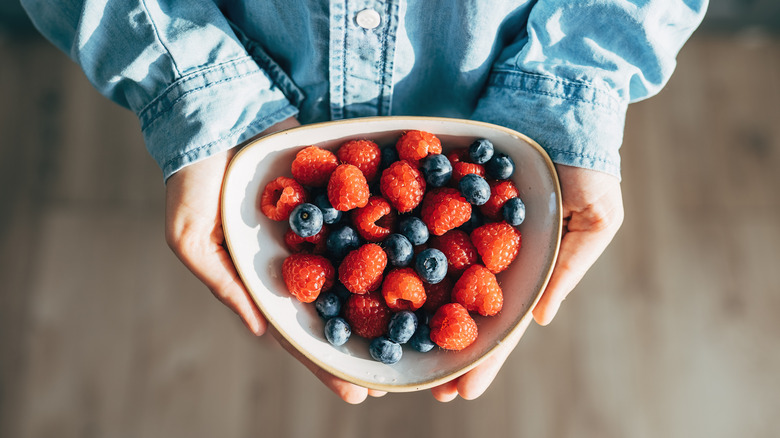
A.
pixel 193 230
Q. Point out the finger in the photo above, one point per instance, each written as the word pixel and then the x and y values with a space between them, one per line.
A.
pixel 580 248
pixel 446 392
pixel 349 392
pixel 593 211
pixel 193 231
pixel 376 393
pixel 475 382
pixel 213 266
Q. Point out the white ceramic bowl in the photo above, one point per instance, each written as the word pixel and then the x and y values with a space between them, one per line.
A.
pixel 257 246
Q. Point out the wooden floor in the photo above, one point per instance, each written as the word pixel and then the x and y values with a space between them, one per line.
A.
pixel 674 333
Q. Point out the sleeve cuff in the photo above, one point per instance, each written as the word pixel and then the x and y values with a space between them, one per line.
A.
pixel 577 123
pixel 209 111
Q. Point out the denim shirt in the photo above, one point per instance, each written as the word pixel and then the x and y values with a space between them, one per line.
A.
pixel 203 76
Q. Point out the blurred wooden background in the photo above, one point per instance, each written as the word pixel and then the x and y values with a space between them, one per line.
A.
pixel 674 333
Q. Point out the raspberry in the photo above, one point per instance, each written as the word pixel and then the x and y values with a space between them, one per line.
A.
pixel 279 198
pixel 437 295
pixel 402 185
pixel 461 167
pixel 361 271
pixel 452 328
pixel 363 154
pixel 458 155
pixel 314 244
pixel 416 145
pixel 368 315
pixel 457 246
pixel 307 275
pixel 500 192
pixel 478 291
pixel 498 244
pixel 312 166
pixel 347 188
pixel 377 297
pixel 443 209
pixel 374 221
pixel 403 290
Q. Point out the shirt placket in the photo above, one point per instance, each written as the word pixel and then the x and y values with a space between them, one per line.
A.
pixel 362 48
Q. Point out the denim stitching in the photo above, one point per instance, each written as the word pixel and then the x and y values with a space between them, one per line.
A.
pixel 232 133
pixel 197 74
pixel 548 78
pixel 188 92
pixel 157 35
pixel 557 96
pixel 563 82
pixel 578 155
pixel 275 72
pixel 220 66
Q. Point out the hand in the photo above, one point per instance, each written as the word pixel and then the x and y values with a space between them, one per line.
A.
pixel 592 214
pixel 193 230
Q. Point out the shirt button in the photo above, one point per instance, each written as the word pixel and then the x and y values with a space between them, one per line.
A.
pixel 368 19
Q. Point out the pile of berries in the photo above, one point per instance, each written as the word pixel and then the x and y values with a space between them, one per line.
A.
pixel 401 244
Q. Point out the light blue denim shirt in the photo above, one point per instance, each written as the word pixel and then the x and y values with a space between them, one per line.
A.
pixel 203 76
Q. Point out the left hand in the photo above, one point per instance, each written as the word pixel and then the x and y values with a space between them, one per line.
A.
pixel 592 214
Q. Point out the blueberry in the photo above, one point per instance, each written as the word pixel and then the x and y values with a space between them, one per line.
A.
pixel 436 169
pixel 500 166
pixel 421 339
pixel 329 214
pixel 481 151
pixel 341 241
pixel 337 331
pixel 474 188
pixel 328 305
pixel 431 265
pixel 476 220
pixel 384 350
pixel 388 157
pixel 306 220
pixel 402 326
pixel 414 229
pixel 514 211
pixel 398 249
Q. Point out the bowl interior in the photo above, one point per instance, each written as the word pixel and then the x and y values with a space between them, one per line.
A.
pixel 257 247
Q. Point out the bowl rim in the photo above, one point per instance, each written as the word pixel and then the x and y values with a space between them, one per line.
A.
pixel 515 331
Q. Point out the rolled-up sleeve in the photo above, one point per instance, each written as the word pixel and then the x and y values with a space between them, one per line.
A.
pixel 196 84
pixel 567 80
